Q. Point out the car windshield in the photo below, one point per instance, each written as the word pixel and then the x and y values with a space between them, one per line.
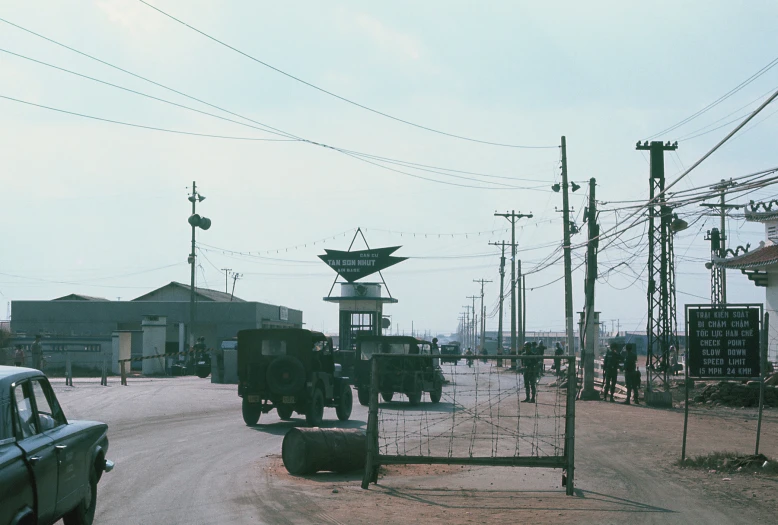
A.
pixel 272 347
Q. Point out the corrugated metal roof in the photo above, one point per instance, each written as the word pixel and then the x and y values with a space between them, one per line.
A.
pixel 203 293
pixel 79 297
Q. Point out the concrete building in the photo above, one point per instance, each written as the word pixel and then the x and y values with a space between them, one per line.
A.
pixel 84 325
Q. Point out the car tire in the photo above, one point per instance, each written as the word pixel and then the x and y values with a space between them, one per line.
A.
pixel 251 412
pixel 346 403
pixel 203 373
pixel 414 398
pixel 387 396
pixel 436 394
pixel 364 396
pixel 84 512
pixel 315 412
pixel 285 375
pixel 285 412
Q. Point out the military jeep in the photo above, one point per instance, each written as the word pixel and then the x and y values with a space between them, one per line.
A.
pixel 410 376
pixel 290 370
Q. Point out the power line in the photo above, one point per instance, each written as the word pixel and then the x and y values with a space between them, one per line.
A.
pixel 142 126
pixel 719 100
pixel 335 95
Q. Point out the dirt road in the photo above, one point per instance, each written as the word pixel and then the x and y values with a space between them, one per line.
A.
pixel 184 456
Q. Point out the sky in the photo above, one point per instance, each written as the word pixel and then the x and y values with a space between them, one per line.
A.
pixel 100 208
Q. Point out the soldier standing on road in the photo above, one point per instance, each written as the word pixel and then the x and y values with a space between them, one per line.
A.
pixel 435 350
pixel 631 374
pixel 611 368
pixel 558 350
pixel 19 356
pixel 37 352
pixel 530 374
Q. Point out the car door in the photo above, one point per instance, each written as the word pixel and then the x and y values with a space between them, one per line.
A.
pixel 69 445
pixel 16 490
pixel 38 450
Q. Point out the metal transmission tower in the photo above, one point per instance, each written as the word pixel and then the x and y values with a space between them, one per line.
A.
pixel 719 274
pixel 718 292
pixel 662 326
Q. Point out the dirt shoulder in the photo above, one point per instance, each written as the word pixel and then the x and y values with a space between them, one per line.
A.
pixel 626 472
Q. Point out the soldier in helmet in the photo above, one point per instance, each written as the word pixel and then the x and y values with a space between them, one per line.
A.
pixel 611 369
pixel 631 373
pixel 530 374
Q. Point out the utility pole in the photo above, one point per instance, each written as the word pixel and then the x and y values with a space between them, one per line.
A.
pixel 502 292
pixel 226 273
pixel 588 337
pixel 483 313
pixel 475 321
pixel 566 247
pixel 235 277
pixel 661 326
pixel 195 221
pixel 513 217
pixel 468 330
pixel 520 306
pixel 720 273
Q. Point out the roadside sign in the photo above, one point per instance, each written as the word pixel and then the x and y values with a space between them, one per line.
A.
pixel 361 263
pixel 724 341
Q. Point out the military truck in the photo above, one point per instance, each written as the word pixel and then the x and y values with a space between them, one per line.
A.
pixel 290 370
pixel 411 376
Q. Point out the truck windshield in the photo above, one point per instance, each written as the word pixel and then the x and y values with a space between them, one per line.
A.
pixel 273 347
pixel 371 347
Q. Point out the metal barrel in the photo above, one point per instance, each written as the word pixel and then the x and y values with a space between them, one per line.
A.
pixel 309 450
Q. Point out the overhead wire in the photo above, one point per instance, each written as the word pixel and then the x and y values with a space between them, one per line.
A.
pixel 335 95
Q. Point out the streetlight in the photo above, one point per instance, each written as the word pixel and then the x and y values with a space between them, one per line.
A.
pixel 195 221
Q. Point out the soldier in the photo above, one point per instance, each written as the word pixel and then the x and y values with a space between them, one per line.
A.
pixel 611 369
pixel 19 356
pixel 530 374
pixel 631 374
pixel 558 350
pixel 542 363
pixel 435 350
pixel 37 352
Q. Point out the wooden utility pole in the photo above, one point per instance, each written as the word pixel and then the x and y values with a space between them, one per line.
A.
pixel 502 291
pixel 475 321
pixel 483 313
pixel 589 393
pixel 226 278
pixel 568 262
pixel 513 217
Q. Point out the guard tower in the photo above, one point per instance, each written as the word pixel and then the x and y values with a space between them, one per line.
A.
pixel 360 304
pixel 361 308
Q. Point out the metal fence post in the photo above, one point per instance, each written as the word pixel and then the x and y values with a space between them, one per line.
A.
pixel 371 467
pixel 570 425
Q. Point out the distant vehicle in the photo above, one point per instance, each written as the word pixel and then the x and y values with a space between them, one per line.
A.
pixel 290 370
pixel 454 350
pixel 49 466
pixel 411 376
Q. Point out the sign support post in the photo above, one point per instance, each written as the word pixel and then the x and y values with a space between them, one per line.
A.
pixel 765 327
pixel 685 404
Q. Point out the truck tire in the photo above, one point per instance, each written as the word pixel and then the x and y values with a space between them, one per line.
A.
pixel 84 512
pixel 436 394
pixel 315 412
pixel 364 396
pixel 284 412
pixel 387 396
pixel 414 398
pixel 345 403
pixel 251 412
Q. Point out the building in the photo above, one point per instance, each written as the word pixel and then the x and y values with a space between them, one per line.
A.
pixel 85 326
pixel 761 267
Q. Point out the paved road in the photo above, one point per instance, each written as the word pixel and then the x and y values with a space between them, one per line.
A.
pixel 184 456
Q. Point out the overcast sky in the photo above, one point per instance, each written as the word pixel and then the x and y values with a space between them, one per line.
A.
pixel 100 208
